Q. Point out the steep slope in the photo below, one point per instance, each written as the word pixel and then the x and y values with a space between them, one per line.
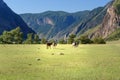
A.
pixel 10 20
pixel 94 18
pixel 58 24
pixel 114 36
pixel 50 23
pixel 89 21
pixel 110 23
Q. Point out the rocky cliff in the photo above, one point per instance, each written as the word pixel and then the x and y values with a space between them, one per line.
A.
pixel 110 24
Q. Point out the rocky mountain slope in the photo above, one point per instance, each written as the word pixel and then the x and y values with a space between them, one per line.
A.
pixel 58 24
pixel 109 28
pixel 10 20
pixel 100 22
pixel 50 23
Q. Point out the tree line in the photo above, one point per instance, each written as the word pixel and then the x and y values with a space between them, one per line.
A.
pixel 15 36
pixel 82 40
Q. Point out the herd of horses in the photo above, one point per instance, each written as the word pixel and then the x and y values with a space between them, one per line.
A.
pixel 54 44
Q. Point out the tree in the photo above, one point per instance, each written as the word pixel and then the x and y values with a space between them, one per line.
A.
pixel 1 40
pixel 118 9
pixel 77 40
pixel 14 36
pixel 7 37
pixel 99 41
pixel 29 39
pixel 17 35
pixel 85 40
pixel 43 41
pixel 36 39
pixel 71 38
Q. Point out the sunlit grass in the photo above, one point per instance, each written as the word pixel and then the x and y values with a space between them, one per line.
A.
pixel 86 62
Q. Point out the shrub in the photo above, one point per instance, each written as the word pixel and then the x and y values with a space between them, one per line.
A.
pixel 71 38
pixel 85 40
pixel 29 39
pixel 99 41
pixel 118 9
pixel 43 41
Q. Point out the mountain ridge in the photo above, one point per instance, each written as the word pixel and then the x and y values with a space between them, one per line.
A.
pixel 10 20
pixel 60 24
pixel 111 23
pixel 64 23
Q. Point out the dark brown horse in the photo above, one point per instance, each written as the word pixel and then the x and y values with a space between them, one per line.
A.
pixel 49 44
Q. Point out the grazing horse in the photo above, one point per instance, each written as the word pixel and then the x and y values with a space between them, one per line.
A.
pixel 49 44
pixel 54 44
pixel 75 44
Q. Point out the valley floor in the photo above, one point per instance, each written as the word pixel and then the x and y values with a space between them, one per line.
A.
pixel 35 62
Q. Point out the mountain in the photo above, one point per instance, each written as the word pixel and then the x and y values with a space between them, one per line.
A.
pixel 100 22
pixel 59 24
pixel 10 20
pixel 110 27
pixel 50 23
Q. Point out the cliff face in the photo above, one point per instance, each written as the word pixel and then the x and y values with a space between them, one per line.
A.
pixel 111 23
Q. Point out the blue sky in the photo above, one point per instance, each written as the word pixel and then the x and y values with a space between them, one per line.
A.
pixel 37 6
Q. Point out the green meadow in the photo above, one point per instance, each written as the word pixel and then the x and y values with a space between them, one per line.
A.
pixel 35 62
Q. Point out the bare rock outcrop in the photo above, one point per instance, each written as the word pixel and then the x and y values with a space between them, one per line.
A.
pixel 110 23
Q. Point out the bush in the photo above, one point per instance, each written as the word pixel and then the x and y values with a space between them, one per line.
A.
pixel 118 9
pixel 1 40
pixel 43 41
pixel 71 38
pixel 14 36
pixel 99 41
pixel 29 39
pixel 85 40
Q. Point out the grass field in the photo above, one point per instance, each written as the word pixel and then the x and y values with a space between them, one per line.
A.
pixel 86 62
